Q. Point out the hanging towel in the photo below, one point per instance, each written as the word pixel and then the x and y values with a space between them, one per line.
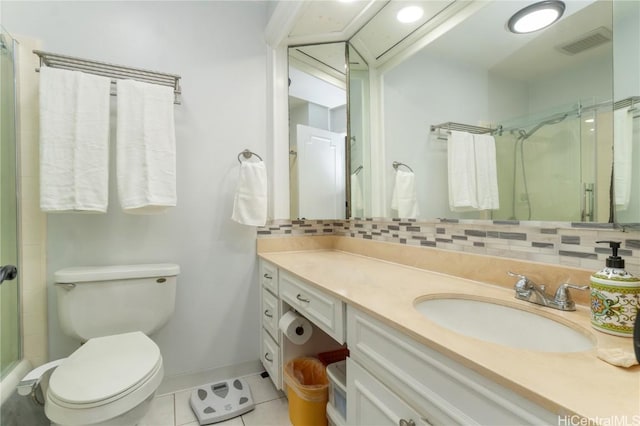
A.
pixel 404 198
pixel 486 172
pixel 461 167
pixel 250 201
pixel 146 147
pixel 357 206
pixel 74 141
pixel 622 157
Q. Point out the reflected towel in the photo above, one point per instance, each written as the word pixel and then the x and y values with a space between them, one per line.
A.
pixel 357 206
pixel 74 141
pixel 486 172
pixel 473 176
pixel 250 201
pixel 622 157
pixel 461 167
pixel 404 198
pixel 146 147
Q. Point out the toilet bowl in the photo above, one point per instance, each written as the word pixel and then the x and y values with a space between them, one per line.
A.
pixel 109 380
pixel 112 378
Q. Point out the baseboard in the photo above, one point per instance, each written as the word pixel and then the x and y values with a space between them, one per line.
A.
pixel 181 382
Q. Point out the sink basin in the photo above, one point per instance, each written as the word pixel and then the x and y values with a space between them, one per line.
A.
pixel 503 325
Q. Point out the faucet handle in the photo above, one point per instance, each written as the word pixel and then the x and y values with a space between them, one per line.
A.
pixel 563 296
pixel 523 283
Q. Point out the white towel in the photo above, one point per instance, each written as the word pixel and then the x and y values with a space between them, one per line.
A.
pixel 404 198
pixel 74 141
pixel 473 177
pixel 622 157
pixel 146 147
pixel 357 205
pixel 486 172
pixel 250 201
pixel 461 161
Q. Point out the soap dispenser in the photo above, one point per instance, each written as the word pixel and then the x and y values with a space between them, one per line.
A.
pixel 615 296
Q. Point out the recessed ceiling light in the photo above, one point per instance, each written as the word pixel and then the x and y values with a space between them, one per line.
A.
pixel 589 120
pixel 536 16
pixel 409 14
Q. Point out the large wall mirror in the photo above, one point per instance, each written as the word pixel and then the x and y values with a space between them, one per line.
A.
pixel 561 106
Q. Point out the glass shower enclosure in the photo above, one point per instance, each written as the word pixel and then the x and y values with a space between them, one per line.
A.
pixel 10 336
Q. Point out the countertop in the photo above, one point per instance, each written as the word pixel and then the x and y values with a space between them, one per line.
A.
pixel 576 383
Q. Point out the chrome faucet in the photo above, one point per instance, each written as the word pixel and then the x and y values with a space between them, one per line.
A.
pixel 534 293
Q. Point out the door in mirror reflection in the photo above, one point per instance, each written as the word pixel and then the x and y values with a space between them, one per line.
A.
pixel 317 132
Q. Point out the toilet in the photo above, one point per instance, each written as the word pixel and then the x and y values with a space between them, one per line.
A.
pixel 112 378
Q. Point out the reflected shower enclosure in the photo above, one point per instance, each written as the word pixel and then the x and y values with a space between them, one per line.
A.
pixel 539 177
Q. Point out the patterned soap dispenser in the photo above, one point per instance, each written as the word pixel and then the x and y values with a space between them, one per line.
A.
pixel 615 296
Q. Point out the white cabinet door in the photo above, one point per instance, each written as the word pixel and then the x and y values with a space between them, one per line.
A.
pixel 324 310
pixel 271 359
pixel 269 276
pixel 370 403
pixel 270 314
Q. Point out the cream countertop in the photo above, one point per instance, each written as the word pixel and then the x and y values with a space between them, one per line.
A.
pixel 564 383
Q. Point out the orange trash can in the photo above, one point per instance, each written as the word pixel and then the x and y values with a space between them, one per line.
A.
pixel 307 391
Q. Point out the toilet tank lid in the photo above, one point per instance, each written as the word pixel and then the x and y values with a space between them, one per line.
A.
pixel 115 272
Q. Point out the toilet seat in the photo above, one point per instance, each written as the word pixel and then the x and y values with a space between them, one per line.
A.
pixel 104 378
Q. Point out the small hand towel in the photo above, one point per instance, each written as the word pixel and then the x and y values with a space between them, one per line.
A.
pixel 404 198
pixel 250 201
pixel 357 206
pixel 461 167
pixel 617 356
pixel 486 172
pixel 74 141
pixel 146 147
pixel 622 157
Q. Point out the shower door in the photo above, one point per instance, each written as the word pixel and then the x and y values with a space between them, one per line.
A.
pixel 10 345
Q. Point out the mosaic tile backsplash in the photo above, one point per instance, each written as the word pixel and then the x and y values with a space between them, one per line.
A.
pixel 562 243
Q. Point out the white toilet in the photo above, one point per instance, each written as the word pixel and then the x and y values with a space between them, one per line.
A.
pixel 112 378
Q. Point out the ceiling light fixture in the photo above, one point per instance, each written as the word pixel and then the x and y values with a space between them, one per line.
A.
pixel 536 16
pixel 409 14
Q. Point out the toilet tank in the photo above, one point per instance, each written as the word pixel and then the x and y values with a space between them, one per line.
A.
pixel 105 300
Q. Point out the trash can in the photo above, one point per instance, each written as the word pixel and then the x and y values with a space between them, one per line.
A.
pixel 307 391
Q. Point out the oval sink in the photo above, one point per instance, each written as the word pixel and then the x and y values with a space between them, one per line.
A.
pixel 503 325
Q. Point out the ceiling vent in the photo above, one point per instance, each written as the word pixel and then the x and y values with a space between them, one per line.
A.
pixel 587 41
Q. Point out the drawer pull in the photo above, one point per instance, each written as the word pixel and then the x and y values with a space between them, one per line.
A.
pixel 302 299
pixel 268 314
pixel 267 276
pixel 267 357
pixel 404 422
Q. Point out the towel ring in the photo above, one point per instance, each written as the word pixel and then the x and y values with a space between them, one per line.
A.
pixel 247 154
pixel 397 164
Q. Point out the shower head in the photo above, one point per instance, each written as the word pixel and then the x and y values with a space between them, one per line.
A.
pixel 526 135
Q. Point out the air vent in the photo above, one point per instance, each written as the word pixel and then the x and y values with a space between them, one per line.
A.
pixel 587 41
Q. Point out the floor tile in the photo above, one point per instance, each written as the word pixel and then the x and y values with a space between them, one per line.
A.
pixel 272 413
pixel 184 413
pixel 161 412
pixel 262 389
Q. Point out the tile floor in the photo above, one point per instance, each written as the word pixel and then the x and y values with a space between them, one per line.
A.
pixel 271 408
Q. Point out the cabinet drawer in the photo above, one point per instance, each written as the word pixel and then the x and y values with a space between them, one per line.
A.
pixel 325 311
pixel 270 314
pixel 270 357
pixel 369 402
pixel 269 276
pixel 441 390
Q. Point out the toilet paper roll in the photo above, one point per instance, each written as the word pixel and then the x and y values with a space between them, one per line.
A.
pixel 296 327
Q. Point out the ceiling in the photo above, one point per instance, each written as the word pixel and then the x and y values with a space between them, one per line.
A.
pixel 371 27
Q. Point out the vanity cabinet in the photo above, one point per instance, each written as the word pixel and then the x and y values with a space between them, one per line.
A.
pixel 270 353
pixel 392 377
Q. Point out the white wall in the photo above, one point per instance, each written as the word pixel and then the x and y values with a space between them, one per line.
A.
pixel 218 48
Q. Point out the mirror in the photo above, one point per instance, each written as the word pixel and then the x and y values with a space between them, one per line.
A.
pixel 555 111
pixel 318 148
